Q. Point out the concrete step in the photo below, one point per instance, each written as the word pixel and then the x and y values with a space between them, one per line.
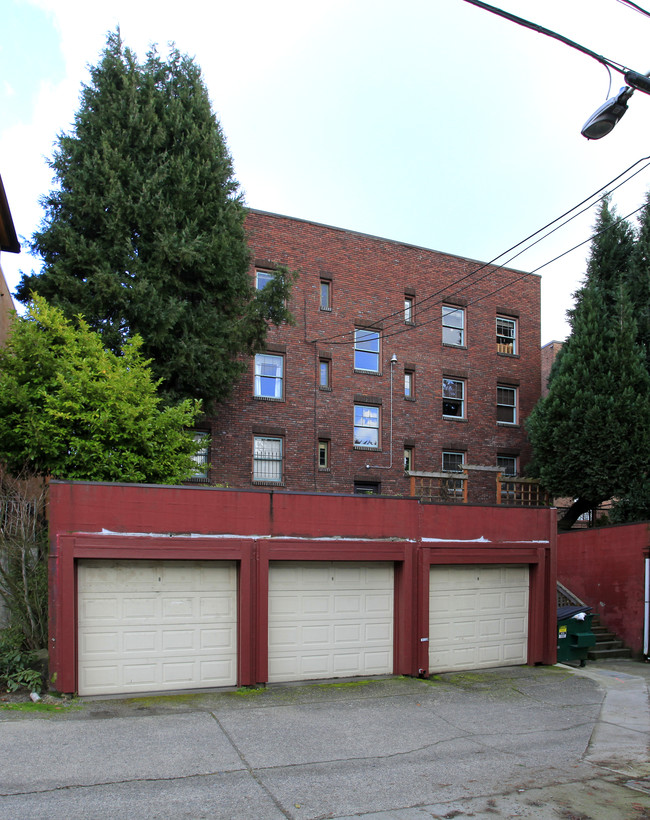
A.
pixel 597 654
pixel 614 643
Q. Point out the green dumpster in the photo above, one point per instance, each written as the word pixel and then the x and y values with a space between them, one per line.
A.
pixel 574 635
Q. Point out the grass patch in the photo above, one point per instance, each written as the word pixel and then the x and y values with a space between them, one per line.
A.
pixel 345 684
pixel 248 691
pixel 37 707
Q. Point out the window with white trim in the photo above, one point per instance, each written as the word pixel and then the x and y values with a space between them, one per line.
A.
pixel 507 465
pixel 323 454
pixel 262 278
pixel 409 459
pixel 366 426
pixel 452 462
pixel 267 459
pixel 269 376
pixel 201 457
pixel 506 404
pixel 325 294
pixel 324 374
pixel 453 326
pixel 409 384
pixel 506 335
pixel 409 314
pixel 453 398
pixel 366 350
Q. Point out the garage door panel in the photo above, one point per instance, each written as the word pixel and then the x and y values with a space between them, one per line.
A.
pixel 485 622
pixel 348 604
pixel 326 631
pixel 133 639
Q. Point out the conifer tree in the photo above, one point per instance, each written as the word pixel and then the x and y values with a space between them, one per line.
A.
pixel 637 280
pixel 144 231
pixel 591 433
pixel 611 251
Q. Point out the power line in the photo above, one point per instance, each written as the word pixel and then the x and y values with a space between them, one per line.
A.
pixel 635 7
pixel 406 329
pixel 607 188
pixel 520 21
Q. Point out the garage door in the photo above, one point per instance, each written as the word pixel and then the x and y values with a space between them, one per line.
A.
pixel 156 625
pixel 330 620
pixel 478 616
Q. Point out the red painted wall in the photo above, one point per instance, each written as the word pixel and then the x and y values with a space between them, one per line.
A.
pixel 605 568
pixel 126 521
pixel 369 277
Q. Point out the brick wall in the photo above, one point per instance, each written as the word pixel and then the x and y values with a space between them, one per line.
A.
pixel 549 353
pixel 369 279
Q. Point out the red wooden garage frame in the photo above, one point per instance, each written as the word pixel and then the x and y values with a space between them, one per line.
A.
pixel 252 528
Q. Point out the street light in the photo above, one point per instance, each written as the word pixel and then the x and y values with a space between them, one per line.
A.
pixel 605 118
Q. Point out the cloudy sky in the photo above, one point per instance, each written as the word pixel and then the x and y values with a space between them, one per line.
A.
pixel 432 122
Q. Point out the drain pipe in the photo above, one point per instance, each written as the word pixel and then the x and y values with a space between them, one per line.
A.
pixel 393 362
pixel 646 619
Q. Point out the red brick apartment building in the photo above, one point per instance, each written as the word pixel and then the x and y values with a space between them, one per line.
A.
pixel 401 359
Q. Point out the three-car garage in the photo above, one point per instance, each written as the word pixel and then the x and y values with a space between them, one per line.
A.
pixel 227 595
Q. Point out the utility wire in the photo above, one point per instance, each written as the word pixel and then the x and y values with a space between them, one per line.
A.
pixel 406 329
pixel 490 270
pixel 634 6
pixel 520 21
pixel 607 188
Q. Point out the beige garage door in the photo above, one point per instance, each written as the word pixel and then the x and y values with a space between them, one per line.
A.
pixel 478 616
pixel 156 625
pixel 330 619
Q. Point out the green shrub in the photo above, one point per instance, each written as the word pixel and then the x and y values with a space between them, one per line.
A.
pixel 18 665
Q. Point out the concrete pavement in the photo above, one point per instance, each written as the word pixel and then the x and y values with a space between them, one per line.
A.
pixel 544 742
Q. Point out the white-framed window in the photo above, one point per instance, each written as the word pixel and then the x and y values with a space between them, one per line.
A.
pixel 409 384
pixel 409 459
pixel 323 454
pixel 325 294
pixel 366 350
pixel 506 335
pixel 262 278
pixel 453 398
pixel 366 426
pixel 409 314
pixel 269 376
pixel 506 404
pixel 507 465
pixel 267 459
pixel 452 462
pixel 324 374
pixel 453 326
pixel 201 457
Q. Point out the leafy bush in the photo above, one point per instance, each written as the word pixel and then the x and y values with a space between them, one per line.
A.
pixel 18 665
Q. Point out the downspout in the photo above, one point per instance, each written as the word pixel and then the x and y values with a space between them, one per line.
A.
pixel 646 608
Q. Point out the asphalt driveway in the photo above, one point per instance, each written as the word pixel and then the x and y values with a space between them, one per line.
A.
pixel 520 742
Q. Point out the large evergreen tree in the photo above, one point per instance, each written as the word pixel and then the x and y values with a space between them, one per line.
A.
pixel 637 280
pixel 610 253
pixel 591 433
pixel 144 232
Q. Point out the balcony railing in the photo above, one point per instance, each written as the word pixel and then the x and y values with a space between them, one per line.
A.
pixel 447 488
pixel 521 492
pixel 453 488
